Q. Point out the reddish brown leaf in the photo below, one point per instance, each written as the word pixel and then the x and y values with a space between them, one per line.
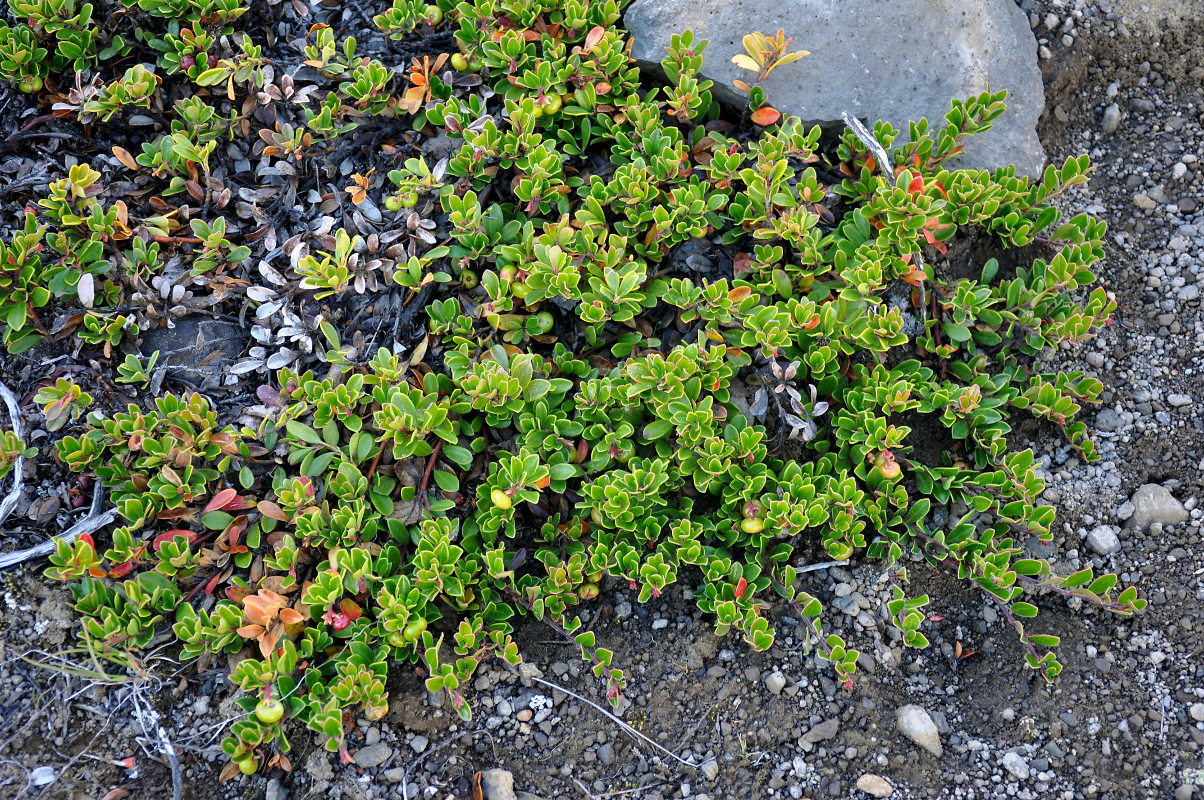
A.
pixel 594 36
pixel 125 158
pixel 220 500
pixel 741 588
pixel 766 115
pixel 121 570
pixel 739 293
pixel 271 510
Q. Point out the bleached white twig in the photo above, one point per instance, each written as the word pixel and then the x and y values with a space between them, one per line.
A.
pixel 169 751
pixel 883 160
pixel 14 414
pixel 93 522
pixel 623 726
pixel 820 565
pixel 873 144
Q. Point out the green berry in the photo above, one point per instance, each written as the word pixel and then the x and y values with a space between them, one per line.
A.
pixel 269 711
pixel 501 499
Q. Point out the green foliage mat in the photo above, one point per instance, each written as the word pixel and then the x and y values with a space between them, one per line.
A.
pixel 585 409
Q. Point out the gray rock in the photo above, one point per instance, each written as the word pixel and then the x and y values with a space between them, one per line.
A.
pixel 865 58
pixel 1154 503
pixel 874 785
pixel 1103 540
pixel 528 672
pixel 1108 420
pixel 710 769
pixel 497 784
pixel 606 754
pixel 1179 400
pixel 198 349
pixel 275 791
pixel 373 756
pixel 317 766
pixel 1111 119
pixel 1015 764
pixel 1197 712
pixel 1184 792
pixel 775 682
pixel 915 724
pixel 824 730
pixel 419 743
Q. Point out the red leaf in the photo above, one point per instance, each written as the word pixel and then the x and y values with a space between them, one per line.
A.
pixel 741 588
pixel 916 185
pixel 121 570
pixel 212 584
pixel 221 500
pixel 269 396
pixel 766 115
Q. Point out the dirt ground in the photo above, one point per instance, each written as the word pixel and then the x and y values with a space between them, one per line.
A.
pixel 1116 724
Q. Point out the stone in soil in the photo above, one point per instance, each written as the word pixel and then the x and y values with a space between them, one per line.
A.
pixel 874 785
pixel 775 682
pixel 373 755
pixel 824 730
pixel 915 724
pixel 497 784
pixel 1154 503
pixel 1015 764
pixel 866 57
pixel 1103 540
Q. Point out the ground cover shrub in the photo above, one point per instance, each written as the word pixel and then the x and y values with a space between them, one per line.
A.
pixel 588 409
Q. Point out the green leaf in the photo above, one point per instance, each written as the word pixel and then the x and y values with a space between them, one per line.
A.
pixel 955 332
pixel 1044 640
pixel 1023 609
pixel 447 481
pixel 658 429
pixel 460 456
pixel 302 432
pixel 216 520
pixel 562 472
pixel 211 76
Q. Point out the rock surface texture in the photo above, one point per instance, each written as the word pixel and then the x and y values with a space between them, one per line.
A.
pixel 895 61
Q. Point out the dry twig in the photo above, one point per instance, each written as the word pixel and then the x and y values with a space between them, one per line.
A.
pixel 623 726
pixel 867 138
pixel 14 414
pixel 93 522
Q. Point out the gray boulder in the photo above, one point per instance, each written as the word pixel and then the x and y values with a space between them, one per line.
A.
pixel 895 61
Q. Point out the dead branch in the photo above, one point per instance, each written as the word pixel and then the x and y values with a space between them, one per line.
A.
pixel 14 413
pixel 93 522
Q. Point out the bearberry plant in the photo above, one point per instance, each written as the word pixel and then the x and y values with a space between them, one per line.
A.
pixel 650 344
